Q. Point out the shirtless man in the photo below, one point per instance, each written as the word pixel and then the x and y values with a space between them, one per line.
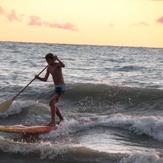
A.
pixel 54 68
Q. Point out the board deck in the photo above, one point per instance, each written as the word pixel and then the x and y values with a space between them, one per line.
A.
pixel 23 129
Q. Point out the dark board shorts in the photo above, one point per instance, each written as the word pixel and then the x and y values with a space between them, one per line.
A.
pixel 60 89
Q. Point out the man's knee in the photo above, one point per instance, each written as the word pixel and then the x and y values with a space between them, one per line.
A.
pixel 53 101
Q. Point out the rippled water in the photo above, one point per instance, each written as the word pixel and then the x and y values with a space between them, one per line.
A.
pixel 136 67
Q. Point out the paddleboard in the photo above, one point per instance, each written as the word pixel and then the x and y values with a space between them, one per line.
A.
pixel 24 129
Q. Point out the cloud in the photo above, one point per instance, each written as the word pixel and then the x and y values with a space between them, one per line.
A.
pixel 160 20
pixel 111 25
pixel 66 26
pixel 1 10
pixel 11 16
pixel 35 20
pixel 38 21
pixel 142 23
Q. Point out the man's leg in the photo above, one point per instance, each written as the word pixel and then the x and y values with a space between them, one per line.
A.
pixel 53 102
pixel 59 114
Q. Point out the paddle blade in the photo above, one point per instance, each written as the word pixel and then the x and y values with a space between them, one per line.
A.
pixel 4 106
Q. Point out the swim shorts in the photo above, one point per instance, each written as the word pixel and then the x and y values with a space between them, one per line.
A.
pixel 60 89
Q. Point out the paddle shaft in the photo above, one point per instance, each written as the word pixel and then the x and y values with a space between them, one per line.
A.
pixel 27 85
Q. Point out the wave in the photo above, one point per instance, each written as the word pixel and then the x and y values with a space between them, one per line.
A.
pixel 25 112
pixel 142 158
pixel 87 98
pixel 70 126
pixel 130 68
pixel 72 152
pixel 101 98
pixel 116 93
pixel 16 108
pixel 79 91
pixel 45 149
pixel 57 152
pixel 150 125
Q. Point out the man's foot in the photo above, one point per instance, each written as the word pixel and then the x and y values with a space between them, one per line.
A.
pixel 61 120
pixel 52 124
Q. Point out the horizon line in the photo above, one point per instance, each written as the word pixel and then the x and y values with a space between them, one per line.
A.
pixel 80 44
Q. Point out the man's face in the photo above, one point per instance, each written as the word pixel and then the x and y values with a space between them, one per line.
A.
pixel 50 61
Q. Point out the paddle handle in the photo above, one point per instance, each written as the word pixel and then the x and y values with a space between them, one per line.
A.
pixel 28 84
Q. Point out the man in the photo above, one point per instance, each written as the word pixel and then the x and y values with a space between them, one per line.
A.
pixel 54 68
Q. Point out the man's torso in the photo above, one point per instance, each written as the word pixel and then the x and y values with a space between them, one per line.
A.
pixel 56 72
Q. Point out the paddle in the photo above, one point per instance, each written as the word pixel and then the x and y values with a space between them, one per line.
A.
pixel 6 104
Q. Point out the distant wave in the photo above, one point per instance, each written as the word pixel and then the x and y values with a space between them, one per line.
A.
pixel 130 68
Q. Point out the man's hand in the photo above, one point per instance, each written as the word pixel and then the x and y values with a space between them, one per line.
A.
pixel 45 78
pixel 60 62
pixel 36 77
pixel 55 57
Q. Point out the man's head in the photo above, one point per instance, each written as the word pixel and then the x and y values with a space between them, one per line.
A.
pixel 50 58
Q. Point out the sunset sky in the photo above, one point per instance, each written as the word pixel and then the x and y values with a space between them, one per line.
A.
pixel 99 22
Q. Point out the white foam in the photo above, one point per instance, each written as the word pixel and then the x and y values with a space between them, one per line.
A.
pixel 44 149
pixel 68 127
pixel 16 108
pixel 65 128
pixel 149 125
pixel 142 158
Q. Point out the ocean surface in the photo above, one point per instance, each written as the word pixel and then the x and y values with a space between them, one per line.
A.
pixel 113 104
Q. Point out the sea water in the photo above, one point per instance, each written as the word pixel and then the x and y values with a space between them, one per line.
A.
pixel 113 104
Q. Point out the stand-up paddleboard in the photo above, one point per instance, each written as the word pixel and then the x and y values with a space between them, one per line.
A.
pixel 25 130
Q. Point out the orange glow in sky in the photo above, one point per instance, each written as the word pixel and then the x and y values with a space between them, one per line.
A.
pixel 99 22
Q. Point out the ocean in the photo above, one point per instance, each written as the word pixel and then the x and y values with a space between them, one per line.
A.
pixel 113 104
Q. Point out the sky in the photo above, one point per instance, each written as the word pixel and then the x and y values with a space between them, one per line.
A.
pixel 96 22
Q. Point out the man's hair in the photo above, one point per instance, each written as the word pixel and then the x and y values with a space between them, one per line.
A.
pixel 49 56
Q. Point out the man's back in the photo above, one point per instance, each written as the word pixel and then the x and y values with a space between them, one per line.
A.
pixel 56 72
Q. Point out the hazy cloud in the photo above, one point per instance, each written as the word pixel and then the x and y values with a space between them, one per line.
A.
pixel 1 10
pixel 66 26
pixel 37 21
pixel 11 16
pixel 111 25
pixel 160 20
pixel 142 23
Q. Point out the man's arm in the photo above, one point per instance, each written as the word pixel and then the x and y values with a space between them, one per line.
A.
pixel 45 78
pixel 60 62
